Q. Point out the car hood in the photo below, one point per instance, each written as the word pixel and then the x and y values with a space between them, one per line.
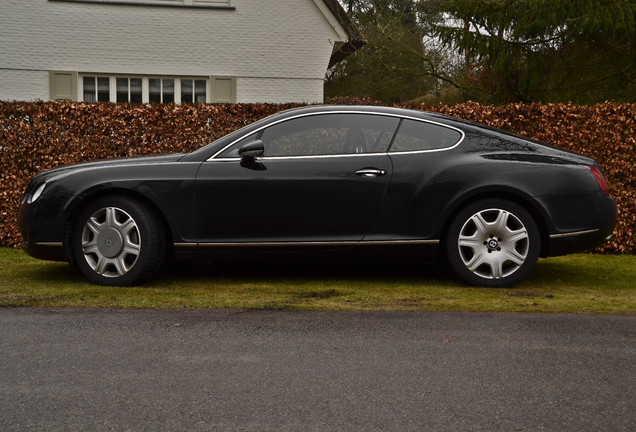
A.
pixel 58 173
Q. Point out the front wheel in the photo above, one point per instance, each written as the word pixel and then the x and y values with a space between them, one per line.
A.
pixel 118 241
pixel 493 243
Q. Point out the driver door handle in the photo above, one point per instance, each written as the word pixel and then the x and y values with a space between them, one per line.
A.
pixel 371 172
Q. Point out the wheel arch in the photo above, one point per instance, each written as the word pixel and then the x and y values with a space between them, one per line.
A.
pixel 76 206
pixel 527 202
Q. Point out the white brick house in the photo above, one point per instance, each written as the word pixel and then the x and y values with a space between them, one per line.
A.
pixel 171 50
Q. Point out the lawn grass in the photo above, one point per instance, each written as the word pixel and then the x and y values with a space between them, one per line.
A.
pixel 575 284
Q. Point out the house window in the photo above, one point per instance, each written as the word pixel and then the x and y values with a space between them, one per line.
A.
pixel 210 2
pixel 193 91
pixel 96 89
pixel 220 4
pixel 153 89
pixel 160 90
pixel 129 90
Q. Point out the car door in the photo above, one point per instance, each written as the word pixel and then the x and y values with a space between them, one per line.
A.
pixel 425 162
pixel 320 180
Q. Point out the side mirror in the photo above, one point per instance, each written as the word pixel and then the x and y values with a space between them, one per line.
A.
pixel 251 151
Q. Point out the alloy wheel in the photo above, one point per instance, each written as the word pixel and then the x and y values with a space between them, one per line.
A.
pixel 493 243
pixel 111 242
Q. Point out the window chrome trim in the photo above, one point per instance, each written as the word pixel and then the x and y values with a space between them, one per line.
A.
pixel 271 158
pixel 399 116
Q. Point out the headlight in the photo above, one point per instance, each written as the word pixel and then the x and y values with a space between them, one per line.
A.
pixel 37 192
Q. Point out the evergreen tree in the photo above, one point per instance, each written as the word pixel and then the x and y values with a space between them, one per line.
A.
pixel 556 50
pixel 492 50
pixel 400 62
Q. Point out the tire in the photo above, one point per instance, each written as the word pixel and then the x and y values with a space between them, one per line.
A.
pixel 118 241
pixel 493 243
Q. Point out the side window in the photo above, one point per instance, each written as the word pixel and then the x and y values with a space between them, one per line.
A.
pixel 233 152
pixel 417 136
pixel 329 134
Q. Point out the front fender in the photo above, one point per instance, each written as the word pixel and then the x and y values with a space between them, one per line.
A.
pixel 169 187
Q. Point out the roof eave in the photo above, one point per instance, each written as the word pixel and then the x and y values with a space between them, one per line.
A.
pixel 355 40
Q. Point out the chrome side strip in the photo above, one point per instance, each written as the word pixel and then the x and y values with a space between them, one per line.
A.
pixel 309 243
pixel 58 244
pixel 572 234
pixel 397 242
pixel 265 244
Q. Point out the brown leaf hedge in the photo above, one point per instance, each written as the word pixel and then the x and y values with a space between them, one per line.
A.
pixel 35 136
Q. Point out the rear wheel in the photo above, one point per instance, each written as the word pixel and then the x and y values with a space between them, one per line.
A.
pixel 118 241
pixel 493 243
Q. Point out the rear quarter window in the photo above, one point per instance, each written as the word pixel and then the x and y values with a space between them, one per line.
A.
pixel 420 136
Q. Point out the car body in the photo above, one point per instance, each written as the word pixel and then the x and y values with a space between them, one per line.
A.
pixel 329 178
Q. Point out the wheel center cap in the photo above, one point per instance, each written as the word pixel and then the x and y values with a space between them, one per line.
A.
pixel 110 242
pixel 493 244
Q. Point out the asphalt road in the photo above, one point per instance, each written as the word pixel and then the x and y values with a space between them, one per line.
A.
pixel 102 370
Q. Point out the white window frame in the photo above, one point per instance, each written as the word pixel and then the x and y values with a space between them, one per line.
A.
pixel 218 4
pixel 129 78
pixel 96 79
pixel 193 81
pixel 161 88
pixel 145 85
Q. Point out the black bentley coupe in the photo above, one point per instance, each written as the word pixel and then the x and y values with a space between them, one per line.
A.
pixel 328 178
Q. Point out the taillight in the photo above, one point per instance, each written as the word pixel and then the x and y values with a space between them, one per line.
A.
pixel 600 178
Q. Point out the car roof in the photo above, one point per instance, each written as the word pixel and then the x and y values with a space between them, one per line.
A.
pixel 358 108
pixel 378 109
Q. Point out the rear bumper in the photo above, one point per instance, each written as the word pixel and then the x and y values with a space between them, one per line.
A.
pixel 584 227
pixel 562 244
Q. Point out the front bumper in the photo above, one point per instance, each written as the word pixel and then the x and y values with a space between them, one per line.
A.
pixel 42 230
pixel 45 251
